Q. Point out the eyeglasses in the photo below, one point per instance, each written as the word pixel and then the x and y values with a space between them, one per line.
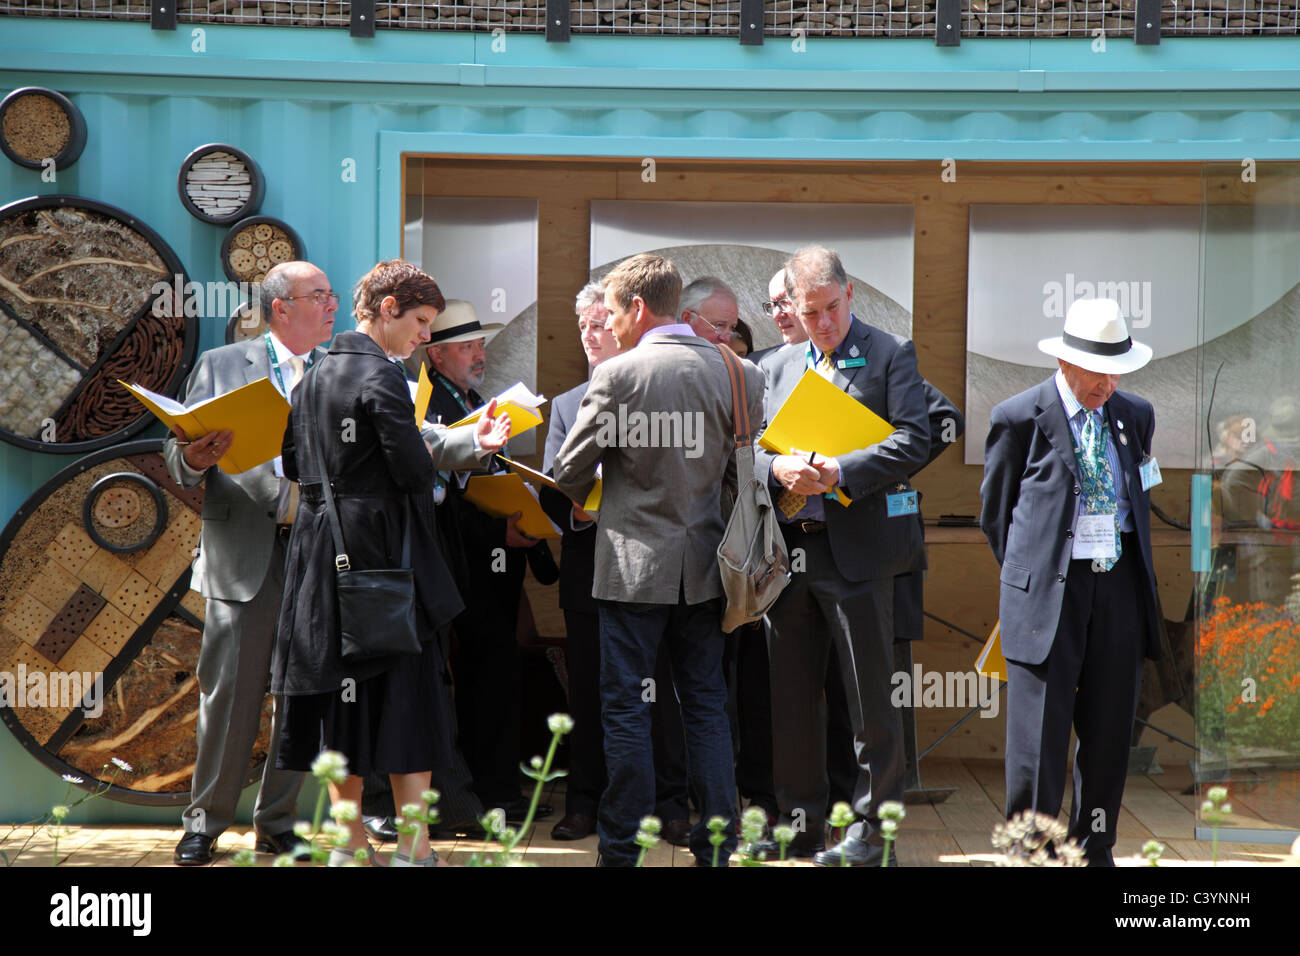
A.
pixel 720 328
pixel 778 305
pixel 322 299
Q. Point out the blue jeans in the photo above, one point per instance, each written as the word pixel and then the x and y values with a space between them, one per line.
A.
pixel 630 637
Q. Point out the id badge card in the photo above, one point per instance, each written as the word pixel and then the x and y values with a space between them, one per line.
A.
pixel 1094 537
pixel 1150 472
pixel 900 503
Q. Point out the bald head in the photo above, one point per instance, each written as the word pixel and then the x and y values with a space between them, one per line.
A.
pixel 782 310
pixel 298 305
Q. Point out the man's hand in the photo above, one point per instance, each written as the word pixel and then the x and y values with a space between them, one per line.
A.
pixel 829 469
pixel 516 538
pixel 795 474
pixel 202 453
pixel 580 515
pixel 492 430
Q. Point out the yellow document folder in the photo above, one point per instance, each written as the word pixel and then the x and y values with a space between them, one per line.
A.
pixel 991 663
pixel 255 414
pixel 503 495
pixel 423 392
pixel 519 403
pixel 592 504
pixel 820 418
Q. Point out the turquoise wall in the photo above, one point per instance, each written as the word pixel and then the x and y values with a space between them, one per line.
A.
pixel 302 101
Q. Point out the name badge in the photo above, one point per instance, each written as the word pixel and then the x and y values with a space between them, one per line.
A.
pixel 1094 537
pixel 1150 472
pixel 852 363
pixel 901 503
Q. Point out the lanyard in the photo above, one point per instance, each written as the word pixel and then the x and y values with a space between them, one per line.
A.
pixel 275 365
pixel 455 392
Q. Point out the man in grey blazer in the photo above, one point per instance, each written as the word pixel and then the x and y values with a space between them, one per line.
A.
pixel 658 419
pixel 240 569
pixel 1067 512
pixel 844 596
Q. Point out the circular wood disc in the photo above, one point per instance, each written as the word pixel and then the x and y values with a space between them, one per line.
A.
pixel 87 297
pixel 124 512
pixel 254 245
pixel 72 612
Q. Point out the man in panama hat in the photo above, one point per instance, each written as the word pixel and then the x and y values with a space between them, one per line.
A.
pixel 1067 510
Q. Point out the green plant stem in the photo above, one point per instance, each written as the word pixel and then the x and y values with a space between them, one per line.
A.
pixel 888 844
pixel 640 857
pixel 537 792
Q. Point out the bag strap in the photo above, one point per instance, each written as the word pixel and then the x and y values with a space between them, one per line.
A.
pixel 739 407
pixel 341 562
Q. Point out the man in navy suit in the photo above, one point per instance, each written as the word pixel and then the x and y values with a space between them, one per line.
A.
pixel 844 597
pixel 1067 511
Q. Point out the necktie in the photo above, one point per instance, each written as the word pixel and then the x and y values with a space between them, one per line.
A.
pixel 287 506
pixel 1098 482
pixel 826 366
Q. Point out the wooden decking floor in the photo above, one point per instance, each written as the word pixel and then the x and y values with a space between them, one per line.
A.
pixel 952 833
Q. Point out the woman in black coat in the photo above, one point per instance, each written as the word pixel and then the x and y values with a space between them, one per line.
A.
pixel 388 715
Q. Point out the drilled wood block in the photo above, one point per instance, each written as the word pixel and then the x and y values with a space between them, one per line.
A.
pixel 29 618
pixel 105 572
pixel 77 612
pixel 135 597
pixel 85 657
pixel 54 585
pixel 195 603
pixel 72 548
pixel 110 630
pixel 26 656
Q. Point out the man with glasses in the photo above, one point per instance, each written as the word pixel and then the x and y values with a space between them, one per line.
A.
pixel 780 310
pixel 709 308
pixel 240 568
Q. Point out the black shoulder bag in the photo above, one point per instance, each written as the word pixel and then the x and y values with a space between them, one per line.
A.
pixel 376 608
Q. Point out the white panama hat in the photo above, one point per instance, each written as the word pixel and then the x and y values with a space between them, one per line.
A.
pixel 459 323
pixel 1096 338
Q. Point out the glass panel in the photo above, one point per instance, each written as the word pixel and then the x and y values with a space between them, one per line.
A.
pixel 1248 585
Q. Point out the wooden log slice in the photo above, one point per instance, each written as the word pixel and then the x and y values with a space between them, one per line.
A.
pixel 82 305
pixel 72 611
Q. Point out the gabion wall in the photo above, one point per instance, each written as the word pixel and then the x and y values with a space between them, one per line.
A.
pixel 915 18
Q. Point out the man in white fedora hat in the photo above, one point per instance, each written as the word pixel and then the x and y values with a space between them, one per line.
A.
pixel 1067 510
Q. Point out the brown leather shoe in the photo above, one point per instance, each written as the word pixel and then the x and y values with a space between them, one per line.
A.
pixel 574 826
pixel 677 832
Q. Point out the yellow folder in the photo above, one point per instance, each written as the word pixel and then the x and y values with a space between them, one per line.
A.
pixel 423 392
pixel 820 418
pixel 503 495
pixel 255 414
pixel 991 663
pixel 592 504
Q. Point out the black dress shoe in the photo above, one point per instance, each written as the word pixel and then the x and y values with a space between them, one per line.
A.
pixel 677 832
pixel 517 810
pixel 856 852
pixel 195 849
pixel 574 826
pixel 277 843
pixel 381 829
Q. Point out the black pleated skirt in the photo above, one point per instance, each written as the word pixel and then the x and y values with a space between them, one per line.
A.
pixel 398 721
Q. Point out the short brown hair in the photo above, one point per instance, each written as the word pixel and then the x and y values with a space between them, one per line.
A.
pixel 654 278
pixel 410 285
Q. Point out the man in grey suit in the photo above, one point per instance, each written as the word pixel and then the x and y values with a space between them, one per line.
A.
pixel 240 569
pixel 844 597
pixel 1067 511
pixel 658 419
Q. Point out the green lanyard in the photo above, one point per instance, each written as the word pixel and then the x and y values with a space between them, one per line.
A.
pixel 275 365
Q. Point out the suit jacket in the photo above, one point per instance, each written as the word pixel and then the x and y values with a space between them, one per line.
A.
pixel 382 475
pixel 577 547
pixel 238 510
pixel 1030 489
pixel 866 544
pixel 661 516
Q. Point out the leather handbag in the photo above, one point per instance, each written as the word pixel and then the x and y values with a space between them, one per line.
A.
pixel 752 557
pixel 376 609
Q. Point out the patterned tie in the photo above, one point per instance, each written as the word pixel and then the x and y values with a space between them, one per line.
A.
pixel 1098 482
pixel 287 506
pixel 826 367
